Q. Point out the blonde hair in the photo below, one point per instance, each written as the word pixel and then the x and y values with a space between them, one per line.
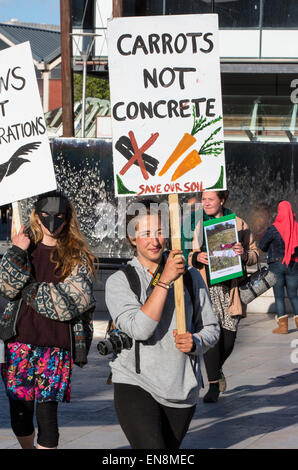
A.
pixel 71 247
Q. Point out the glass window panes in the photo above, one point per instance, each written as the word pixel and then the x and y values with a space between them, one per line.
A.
pixel 143 7
pixel 238 13
pixel 181 7
pixel 167 7
pixel 280 14
pixel 82 14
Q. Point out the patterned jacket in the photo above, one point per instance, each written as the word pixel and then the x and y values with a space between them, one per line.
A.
pixel 71 300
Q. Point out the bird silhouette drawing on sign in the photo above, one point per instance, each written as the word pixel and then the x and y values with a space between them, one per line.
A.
pixel 13 164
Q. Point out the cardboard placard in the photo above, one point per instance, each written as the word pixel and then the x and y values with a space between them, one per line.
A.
pixel 166 104
pixel 26 166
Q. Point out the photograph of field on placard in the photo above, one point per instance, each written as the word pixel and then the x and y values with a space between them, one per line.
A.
pixel 221 239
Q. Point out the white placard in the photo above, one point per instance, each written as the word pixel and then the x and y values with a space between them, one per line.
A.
pixel 26 166
pixel 103 127
pixel 166 104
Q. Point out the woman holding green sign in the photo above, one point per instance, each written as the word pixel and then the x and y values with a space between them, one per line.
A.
pixel 224 295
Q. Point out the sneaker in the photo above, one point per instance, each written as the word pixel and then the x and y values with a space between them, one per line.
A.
pixel 212 394
pixel 222 382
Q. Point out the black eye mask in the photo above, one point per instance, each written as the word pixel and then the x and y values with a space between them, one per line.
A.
pixel 52 206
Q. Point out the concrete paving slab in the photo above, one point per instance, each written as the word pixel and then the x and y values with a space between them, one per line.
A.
pixel 258 410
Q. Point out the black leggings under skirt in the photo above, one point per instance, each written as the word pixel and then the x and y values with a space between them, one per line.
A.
pixel 21 415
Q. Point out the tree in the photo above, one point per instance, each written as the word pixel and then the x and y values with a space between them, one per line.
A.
pixel 95 87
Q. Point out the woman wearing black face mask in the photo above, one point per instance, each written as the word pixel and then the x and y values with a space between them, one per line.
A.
pixel 47 325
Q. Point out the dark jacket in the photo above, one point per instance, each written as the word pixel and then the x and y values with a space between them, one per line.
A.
pixel 69 301
pixel 273 243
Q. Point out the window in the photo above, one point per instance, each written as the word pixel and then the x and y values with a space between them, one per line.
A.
pixel 82 14
pixel 280 14
pixel 181 7
pixel 167 7
pixel 142 7
pixel 238 13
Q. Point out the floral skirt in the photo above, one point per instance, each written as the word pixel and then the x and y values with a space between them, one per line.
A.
pixel 37 373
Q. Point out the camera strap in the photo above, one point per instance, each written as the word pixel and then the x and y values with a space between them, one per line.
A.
pixel 155 276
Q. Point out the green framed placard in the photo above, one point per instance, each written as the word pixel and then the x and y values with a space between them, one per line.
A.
pixel 221 235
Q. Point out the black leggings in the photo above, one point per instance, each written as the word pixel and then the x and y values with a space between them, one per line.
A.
pixel 146 423
pixel 215 357
pixel 21 415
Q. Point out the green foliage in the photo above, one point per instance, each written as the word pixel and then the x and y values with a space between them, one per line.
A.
pixel 95 87
pixel 222 236
pixel 217 264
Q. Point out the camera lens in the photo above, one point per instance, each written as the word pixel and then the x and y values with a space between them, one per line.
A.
pixel 105 347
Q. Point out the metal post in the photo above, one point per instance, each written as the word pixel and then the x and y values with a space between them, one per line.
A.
pixel 84 57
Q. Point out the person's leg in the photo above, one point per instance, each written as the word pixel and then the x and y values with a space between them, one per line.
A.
pixel 279 270
pixel 292 286
pixel 21 416
pixel 140 417
pixel 176 422
pixel 228 342
pixel 279 288
pixel 212 364
pixel 212 359
pixel 47 421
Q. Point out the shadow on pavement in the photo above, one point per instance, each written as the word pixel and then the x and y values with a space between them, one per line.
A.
pixel 244 416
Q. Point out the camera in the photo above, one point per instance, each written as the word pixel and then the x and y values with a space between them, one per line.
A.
pixel 115 343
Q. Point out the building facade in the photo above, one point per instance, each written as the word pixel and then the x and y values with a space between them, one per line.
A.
pixel 259 75
pixel 45 45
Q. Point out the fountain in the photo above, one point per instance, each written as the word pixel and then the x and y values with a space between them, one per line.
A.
pixel 259 175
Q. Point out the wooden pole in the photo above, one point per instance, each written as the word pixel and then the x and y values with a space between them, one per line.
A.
pixel 17 221
pixel 176 245
pixel 66 68
pixel 117 8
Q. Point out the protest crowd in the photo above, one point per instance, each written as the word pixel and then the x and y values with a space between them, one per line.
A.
pixel 47 276
pixel 182 295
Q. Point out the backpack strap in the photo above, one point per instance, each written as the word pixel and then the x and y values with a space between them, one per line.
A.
pixel 133 279
pixel 135 285
pixel 188 282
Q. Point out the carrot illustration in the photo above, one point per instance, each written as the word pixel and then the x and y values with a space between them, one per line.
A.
pixel 183 145
pixel 192 160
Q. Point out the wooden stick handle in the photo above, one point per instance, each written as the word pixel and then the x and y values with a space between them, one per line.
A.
pixel 176 245
pixel 16 218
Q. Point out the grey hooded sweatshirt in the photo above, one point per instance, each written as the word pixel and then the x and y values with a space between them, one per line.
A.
pixel 172 377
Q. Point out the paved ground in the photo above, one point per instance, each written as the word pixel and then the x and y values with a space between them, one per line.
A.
pixel 259 410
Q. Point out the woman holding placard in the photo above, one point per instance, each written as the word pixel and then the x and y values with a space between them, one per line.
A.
pixel 47 325
pixel 157 380
pixel 225 295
